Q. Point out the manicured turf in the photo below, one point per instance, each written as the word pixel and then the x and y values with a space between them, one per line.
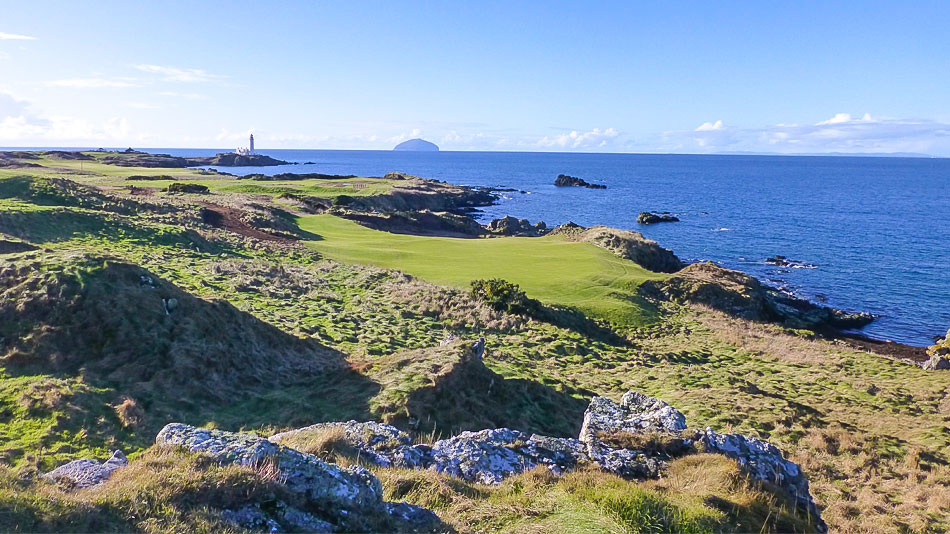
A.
pixel 551 269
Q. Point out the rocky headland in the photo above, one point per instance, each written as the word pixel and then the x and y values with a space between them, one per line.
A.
pixel 230 159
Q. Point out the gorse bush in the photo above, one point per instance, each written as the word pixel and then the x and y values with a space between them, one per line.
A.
pixel 503 295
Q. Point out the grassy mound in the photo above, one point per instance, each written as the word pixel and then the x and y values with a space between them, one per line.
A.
pixel 82 336
pixel 448 389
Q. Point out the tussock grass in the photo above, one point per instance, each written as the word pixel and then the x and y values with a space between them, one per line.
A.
pixel 703 494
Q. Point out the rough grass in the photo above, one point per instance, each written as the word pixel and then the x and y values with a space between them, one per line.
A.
pixel 551 269
pixel 704 494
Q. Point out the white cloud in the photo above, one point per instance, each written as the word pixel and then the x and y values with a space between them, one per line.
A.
pixel 24 130
pixel 710 126
pixel 575 139
pixel 93 83
pixel 21 126
pixel 175 74
pixel 415 133
pixel 15 37
pixel 844 118
pixel 841 133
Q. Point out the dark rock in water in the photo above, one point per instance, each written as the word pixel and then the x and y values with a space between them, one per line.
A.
pixel 187 188
pixel 416 145
pixel 511 226
pixel 653 217
pixel 564 180
pixel 782 261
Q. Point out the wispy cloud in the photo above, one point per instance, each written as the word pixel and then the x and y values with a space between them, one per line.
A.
pixel 175 74
pixel 576 139
pixel 15 37
pixel 839 133
pixel 844 118
pixel 93 83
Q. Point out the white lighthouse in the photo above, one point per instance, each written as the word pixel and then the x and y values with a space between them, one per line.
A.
pixel 248 150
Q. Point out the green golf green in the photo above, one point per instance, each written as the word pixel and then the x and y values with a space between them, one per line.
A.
pixel 550 269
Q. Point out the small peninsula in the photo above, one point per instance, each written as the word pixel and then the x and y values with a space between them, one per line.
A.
pixel 416 145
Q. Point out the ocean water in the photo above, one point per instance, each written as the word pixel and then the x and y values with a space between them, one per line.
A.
pixel 872 234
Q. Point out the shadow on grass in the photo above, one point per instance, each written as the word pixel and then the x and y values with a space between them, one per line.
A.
pixel 576 320
pixel 114 326
pixel 473 397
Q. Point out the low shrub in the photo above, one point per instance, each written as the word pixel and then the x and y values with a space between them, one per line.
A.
pixel 503 295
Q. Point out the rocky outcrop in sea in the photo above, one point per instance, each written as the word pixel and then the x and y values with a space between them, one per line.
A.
pixel 653 217
pixel 564 180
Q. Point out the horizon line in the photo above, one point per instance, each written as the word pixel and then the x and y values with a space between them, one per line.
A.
pixel 907 155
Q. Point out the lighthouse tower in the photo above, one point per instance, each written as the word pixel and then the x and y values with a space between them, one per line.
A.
pixel 251 147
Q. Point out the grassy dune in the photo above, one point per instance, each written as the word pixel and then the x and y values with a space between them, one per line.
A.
pixel 551 269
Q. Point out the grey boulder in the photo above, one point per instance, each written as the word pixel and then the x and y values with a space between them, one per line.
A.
pixel 80 474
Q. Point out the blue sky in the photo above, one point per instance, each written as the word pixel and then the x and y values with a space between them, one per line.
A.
pixel 697 77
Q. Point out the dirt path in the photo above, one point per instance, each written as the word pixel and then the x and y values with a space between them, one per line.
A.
pixel 230 219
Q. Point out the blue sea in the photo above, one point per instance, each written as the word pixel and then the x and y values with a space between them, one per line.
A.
pixel 871 233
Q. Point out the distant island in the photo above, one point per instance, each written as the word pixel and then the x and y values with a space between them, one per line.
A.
pixel 417 145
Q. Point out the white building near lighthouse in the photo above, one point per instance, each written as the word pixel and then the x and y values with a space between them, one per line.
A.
pixel 246 151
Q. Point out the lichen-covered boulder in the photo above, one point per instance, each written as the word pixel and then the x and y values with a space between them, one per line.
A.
pixel 629 463
pixel 763 461
pixel 378 443
pixel 490 456
pixel 80 474
pixel 414 518
pixel 635 413
pixel 339 488
pixel 939 354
